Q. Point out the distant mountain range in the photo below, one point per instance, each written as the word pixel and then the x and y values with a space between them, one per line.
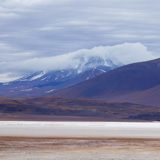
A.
pixel 129 93
pixel 42 82
pixel 136 83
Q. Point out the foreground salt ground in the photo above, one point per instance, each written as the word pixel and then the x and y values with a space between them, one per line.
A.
pixel 12 148
pixel 80 129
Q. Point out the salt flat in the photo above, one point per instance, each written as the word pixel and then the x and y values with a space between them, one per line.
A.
pixel 80 129
pixel 79 140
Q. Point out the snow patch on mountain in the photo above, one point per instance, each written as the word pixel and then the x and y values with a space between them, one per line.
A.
pixel 32 76
pixel 50 91
pixel 103 70
pixel 37 76
pixel 27 90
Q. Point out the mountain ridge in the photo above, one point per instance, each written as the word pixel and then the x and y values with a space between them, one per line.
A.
pixel 41 83
pixel 121 81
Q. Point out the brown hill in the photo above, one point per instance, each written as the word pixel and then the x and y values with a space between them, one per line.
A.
pixel 77 109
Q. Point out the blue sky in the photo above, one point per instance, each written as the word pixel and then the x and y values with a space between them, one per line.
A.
pixel 40 29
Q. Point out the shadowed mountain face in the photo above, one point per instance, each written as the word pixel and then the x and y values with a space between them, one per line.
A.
pixel 121 84
pixel 147 97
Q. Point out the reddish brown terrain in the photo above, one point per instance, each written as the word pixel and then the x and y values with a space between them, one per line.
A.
pixel 63 109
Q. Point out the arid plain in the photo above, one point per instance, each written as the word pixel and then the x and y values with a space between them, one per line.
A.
pixel 79 140
pixel 12 148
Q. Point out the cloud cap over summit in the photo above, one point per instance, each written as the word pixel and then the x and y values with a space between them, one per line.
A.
pixel 32 30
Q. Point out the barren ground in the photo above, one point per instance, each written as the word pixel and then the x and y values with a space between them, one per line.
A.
pixel 12 148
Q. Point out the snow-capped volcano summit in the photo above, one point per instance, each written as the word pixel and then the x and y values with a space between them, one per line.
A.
pixel 63 75
pixel 43 82
pixel 55 73
pixel 96 62
pixel 81 60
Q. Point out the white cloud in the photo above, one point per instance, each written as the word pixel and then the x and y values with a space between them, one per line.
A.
pixel 30 3
pixel 5 47
pixel 6 77
pixel 8 53
pixel 50 28
pixel 123 54
pixel 120 54
pixel 8 15
pixel 76 23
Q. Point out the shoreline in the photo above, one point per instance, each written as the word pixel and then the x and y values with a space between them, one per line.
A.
pixel 58 118
pixel 13 138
